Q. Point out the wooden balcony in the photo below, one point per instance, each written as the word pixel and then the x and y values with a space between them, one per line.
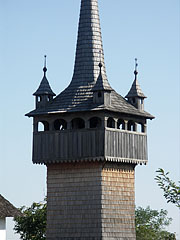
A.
pixel 89 145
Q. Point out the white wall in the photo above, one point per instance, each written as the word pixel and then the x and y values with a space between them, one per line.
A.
pixel 2 229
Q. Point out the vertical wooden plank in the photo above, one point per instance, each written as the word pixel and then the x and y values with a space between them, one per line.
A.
pixel 84 144
pixel 93 144
pixel 79 142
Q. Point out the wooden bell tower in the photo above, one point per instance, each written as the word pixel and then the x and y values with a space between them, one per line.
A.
pixel 90 145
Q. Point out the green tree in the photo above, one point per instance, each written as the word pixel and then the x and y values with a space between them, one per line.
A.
pixel 150 224
pixel 32 224
pixel 170 188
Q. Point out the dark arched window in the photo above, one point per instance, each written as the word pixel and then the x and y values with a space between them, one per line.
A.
pixel 121 124
pixel 110 123
pixel 95 122
pixel 43 126
pixel 78 123
pixel 131 126
pixel 60 124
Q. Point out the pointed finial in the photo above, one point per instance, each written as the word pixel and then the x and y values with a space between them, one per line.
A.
pixel 100 63
pixel 45 69
pixel 136 65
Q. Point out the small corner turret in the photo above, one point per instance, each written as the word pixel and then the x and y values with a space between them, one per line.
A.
pixel 101 91
pixel 44 93
pixel 135 96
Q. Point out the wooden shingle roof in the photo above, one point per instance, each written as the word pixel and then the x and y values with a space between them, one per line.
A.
pixel 135 90
pixel 44 87
pixel 7 209
pixel 88 76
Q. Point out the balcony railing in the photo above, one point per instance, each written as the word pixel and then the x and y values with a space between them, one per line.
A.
pixel 89 144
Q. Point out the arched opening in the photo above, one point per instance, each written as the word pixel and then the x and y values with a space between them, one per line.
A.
pixel 78 123
pixel 131 126
pixel 60 124
pixel 95 122
pixel 110 123
pixel 121 124
pixel 139 127
pixel 43 126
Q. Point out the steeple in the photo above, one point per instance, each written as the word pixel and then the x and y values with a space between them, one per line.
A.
pixel 89 45
pixel 135 95
pixel 44 92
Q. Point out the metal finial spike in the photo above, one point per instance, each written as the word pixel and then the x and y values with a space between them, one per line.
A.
pixel 100 62
pixel 45 69
pixel 100 65
pixel 45 60
pixel 136 64
pixel 100 55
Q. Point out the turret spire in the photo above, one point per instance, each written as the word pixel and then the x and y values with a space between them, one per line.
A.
pixel 44 87
pixel 89 49
pixel 135 71
pixel 45 69
pixel 135 96
pixel 135 90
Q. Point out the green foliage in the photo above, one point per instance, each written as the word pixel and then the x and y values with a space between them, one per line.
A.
pixel 150 224
pixel 171 190
pixel 32 224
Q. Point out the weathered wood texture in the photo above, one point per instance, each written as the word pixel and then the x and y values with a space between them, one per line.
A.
pixel 74 201
pixel 90 201
pixel 92 144
pixel 125 145
pixel 72 145
pixel 118 202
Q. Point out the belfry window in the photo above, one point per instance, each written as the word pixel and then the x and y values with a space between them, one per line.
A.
pixel 140 127
pixel 43 126
pixel 121 124
pixel 95 122
pixel 131 126
pixel 78 123
pixel 60 124
pixel 110 123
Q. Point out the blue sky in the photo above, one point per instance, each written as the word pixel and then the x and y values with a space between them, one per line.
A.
pixel 148 30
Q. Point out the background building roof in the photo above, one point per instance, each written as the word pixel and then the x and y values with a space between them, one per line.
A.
pixel 7 209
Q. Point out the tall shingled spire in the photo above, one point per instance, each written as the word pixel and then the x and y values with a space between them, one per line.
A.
pixel 89 45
